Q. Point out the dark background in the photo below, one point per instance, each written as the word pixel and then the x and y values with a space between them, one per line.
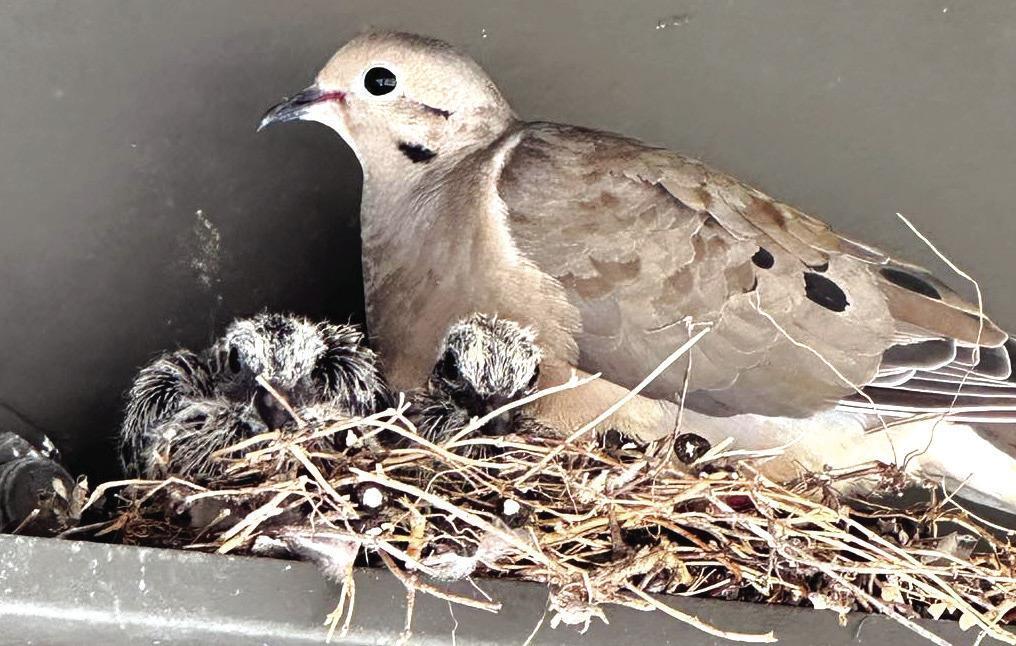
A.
pixel 121 120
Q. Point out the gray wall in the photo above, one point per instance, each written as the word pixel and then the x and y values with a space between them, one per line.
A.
pixel 121 119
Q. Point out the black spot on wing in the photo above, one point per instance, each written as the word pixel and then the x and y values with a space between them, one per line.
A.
pixel 820 268
pixel 825 292
pixel 909 281
pixel 417 153
pixel 763 259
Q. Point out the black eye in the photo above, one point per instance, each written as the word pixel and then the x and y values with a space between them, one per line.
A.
pixel 535 378
pixel 234 360
pixel 379 80
pixel 448 367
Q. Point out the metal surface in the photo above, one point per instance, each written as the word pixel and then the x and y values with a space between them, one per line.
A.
pixel 58 593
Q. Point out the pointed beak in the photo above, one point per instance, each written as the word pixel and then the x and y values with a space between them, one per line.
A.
pixel 296 106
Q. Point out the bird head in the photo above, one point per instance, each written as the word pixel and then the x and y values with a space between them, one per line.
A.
pixel 281 349
pixel 485 363
pixel 399 100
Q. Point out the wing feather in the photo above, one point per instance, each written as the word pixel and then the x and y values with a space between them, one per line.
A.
pixel 643 239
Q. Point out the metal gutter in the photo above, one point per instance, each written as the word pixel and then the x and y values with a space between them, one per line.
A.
pixel 57 593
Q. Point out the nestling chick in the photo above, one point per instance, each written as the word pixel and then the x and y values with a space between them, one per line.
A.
pixel 171 393
pixel 484 363
pixel 185 406
pixel 313 366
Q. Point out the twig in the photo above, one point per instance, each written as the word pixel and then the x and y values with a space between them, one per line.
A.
pixel 32 515
pixel 282 400
pixel 756 638
pixel 479 422
pixel 411 581
pixel 882 607
pixel 346 593
pixel 980 331
pixel 756 301
pixel 457 512
pixel 613 408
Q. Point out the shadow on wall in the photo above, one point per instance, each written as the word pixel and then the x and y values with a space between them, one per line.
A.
pixel 158 222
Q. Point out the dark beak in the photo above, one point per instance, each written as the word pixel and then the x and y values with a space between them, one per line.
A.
pixel 296 106
pixel 503 424
pixel 479 406
pixel 272 413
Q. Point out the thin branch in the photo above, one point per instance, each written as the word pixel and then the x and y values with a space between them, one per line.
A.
pixel 691 620
pixel 616 406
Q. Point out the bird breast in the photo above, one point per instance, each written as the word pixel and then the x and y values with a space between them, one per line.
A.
pixel 443 252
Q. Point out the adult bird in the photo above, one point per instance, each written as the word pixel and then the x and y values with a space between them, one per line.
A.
pixel 607 247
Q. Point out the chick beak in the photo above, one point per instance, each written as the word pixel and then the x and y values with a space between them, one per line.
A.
pixel 271 411
pixel 296 106
pixel 500 425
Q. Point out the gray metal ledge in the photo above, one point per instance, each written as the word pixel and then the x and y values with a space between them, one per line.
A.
pixel 61 592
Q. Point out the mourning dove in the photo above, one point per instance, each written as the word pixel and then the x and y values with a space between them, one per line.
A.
pixel 184 406
pixel 614 250
pixel 483 363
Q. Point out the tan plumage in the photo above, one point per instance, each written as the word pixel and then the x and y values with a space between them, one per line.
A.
pixel 641 237
pixel 607 246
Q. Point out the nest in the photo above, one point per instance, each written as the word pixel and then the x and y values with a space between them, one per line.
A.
pixel 597 522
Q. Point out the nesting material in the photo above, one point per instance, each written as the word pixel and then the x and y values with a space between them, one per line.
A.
pixel 598 524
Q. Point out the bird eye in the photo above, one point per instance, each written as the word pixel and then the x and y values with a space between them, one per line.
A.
pixel 234 360
pixel 534 379
pixel 448 367
pixel 379 80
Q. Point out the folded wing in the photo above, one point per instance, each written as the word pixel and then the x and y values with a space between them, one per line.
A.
pixel 647 243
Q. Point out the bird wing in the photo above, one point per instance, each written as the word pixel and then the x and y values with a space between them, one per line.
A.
pixel 196 430
pixel 644 241
pixel 348 372
pixel 160 390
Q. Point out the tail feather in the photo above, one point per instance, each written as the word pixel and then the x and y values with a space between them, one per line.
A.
pixel 973 387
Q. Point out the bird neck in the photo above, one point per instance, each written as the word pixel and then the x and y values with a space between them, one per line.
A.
pixel 399 196
pixel 428 237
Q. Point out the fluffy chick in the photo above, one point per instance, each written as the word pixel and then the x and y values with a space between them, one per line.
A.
pixel 185 406
pixel 314 366
pixel 484 363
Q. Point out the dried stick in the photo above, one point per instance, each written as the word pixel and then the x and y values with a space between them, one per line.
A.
pixel 613 408
pixel 413 582
pixel 691 620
